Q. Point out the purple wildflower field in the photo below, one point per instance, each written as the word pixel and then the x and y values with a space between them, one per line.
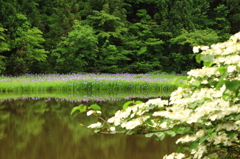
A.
pixel 89 81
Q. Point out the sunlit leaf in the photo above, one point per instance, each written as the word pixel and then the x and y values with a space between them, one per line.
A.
pixel 126 105
pixel 207 64
pixel 138 102
pixel 198 58
pixel 196 83
pixel 222 70
pixel 220 83
pixel 95 107
pixel 207 58
pixel 81 108
pixel 74 109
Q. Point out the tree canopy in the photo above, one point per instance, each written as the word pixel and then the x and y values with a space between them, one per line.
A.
pixel 110 36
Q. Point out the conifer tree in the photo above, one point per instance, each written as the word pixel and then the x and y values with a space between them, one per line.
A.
pixel 173 16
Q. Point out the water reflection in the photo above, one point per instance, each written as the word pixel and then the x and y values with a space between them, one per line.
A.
pixel 36 129
pixel 83 96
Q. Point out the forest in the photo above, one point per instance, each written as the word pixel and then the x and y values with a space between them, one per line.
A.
pixel 110 36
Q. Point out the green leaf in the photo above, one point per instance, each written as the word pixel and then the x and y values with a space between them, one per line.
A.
pixel 180 148
pixel 193 145
pixel 210 130
pixel 81 108
pixel 130 132
pixel 198 58
pixel 95 107
pixel 237 117
pixel 126 105
pixel 206 98
pixel 175 128
pixel 138 102
pixel 176 80
pixel 207 64
pixel 207 58
pixel 196 83
pixel 171 133
pixel 160 135
pixel 213 134
pixel 183 130
pixel 74 109
pixel 220 83
pixel 202 139
pixel 193 105
pixel 149 134
pixel 222 70
pixel 225 74
pixel 232 85
pixel 230 134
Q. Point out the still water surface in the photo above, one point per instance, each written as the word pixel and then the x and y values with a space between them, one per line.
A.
pixel 44 129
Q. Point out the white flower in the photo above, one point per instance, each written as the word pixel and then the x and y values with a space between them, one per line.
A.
pixel 204 48
pixel 112 128
pixel 204 82
pixel 159 102
pixel 237 122
pixel 208 123
pixel 217 46
pixel 227 126
pixel 132 124
pixel 95 125
pixel 174 156
pixel 231 68
pixel 90 112
pixel 186 138
pixel 115 120
pixel 164 125
pixel 196 49
pixel 199 152
pixel 200 133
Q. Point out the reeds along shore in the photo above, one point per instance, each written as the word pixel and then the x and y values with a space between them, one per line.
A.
pixel 66 82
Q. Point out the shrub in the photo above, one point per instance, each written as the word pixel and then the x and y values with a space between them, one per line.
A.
pixel 204 111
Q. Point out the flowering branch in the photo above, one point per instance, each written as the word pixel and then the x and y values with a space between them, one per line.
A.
pixel 205 111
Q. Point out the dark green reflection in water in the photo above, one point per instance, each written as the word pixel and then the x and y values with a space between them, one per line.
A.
pixel 36 129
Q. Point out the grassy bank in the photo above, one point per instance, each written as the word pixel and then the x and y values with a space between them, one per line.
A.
pixel 71 82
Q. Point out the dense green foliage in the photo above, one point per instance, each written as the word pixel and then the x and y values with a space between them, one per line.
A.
pixel 110 36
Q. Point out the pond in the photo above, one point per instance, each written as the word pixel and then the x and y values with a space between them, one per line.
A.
pixel 42 128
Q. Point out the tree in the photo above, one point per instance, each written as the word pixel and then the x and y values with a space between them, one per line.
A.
pixel 173 16
pixel 110 31
pixel 187 40
pixel 144 44
pixel 234 14
pixel 26 47
pixel 78 51
pixel 3 47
